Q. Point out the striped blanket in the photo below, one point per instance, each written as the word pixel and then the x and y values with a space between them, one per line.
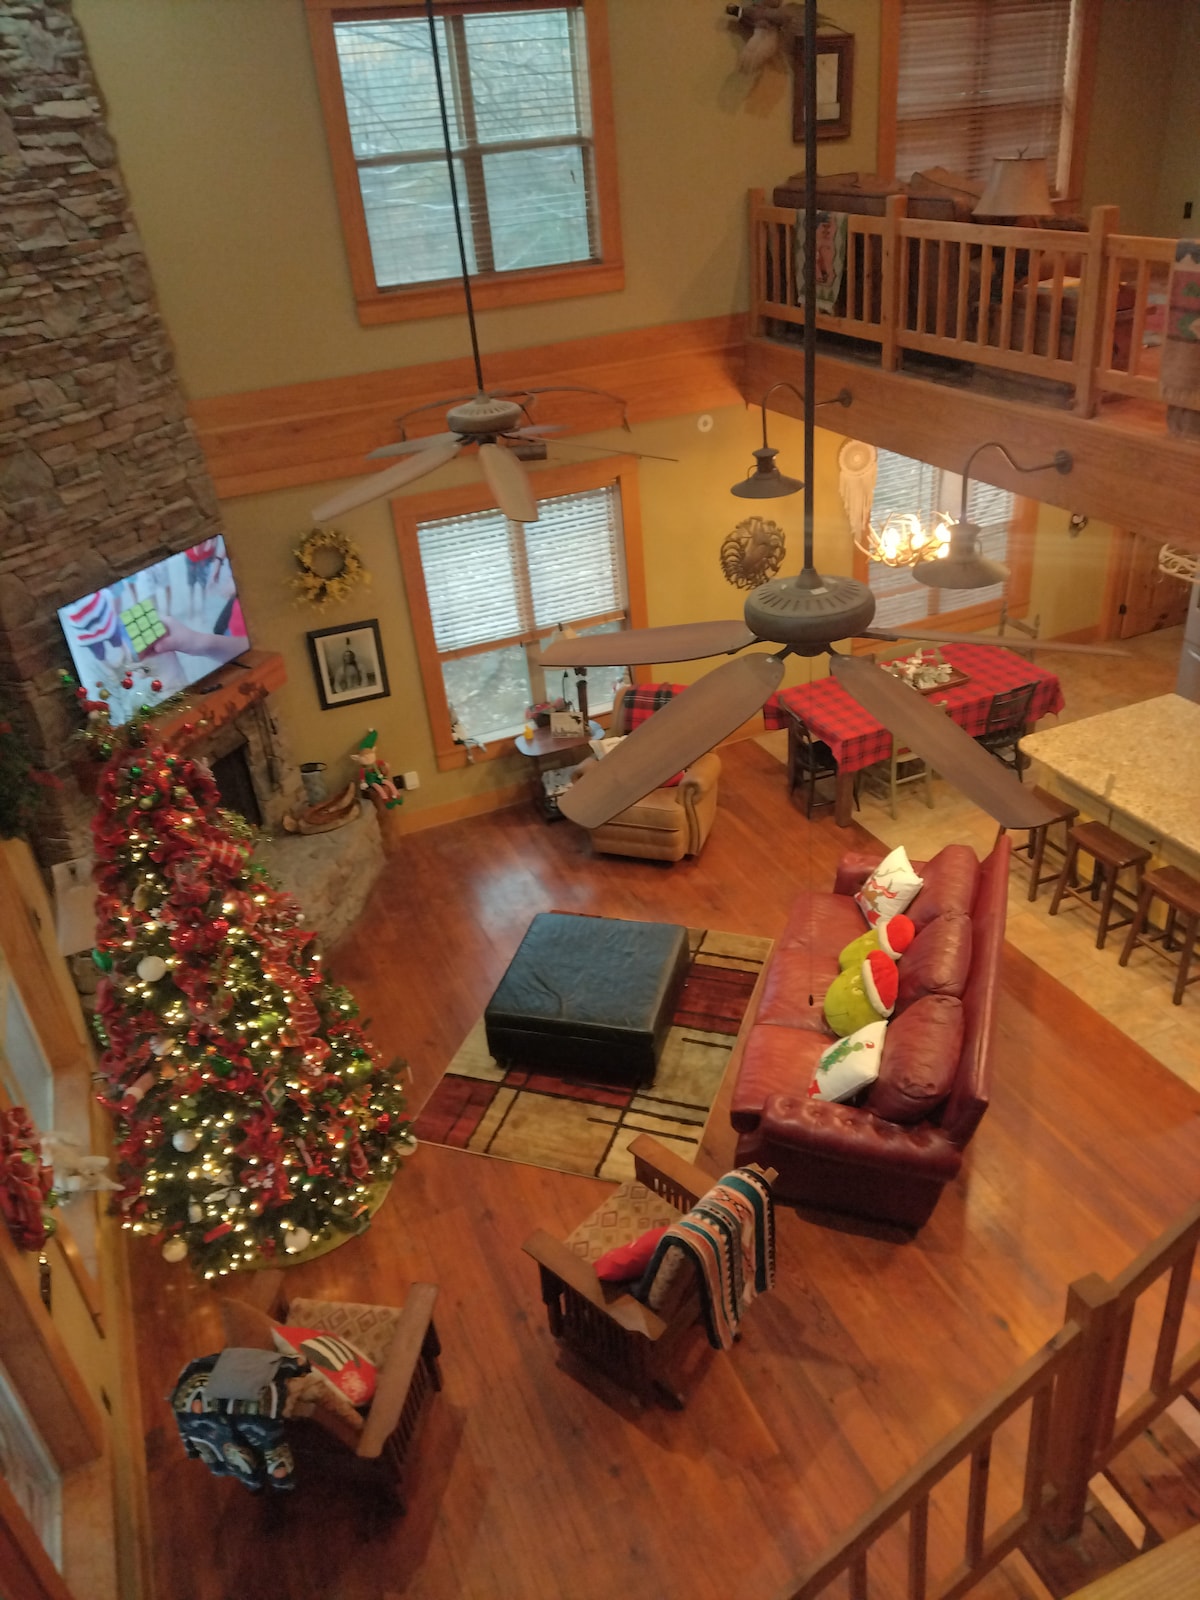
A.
pixel 729 1236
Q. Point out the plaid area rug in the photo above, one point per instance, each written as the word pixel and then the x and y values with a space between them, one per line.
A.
pixel 573 1125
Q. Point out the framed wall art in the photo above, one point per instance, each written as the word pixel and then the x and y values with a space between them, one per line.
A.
pixel 348 664
pixel 835 86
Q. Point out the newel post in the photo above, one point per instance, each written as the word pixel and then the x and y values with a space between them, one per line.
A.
pixel 1077 1413
pixel 758 264
pixel 1089 325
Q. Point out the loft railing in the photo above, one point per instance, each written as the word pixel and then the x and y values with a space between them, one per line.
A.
pixel 1072 1388
pixel 1081 309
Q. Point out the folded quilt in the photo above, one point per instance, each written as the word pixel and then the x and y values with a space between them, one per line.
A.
pixel 729 1236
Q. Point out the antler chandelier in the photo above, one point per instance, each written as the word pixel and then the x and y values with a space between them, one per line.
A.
pixel 903 539
pixel 1178 563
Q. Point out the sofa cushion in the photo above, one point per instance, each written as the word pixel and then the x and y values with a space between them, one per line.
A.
pixel 889 889
pixel 792 977
pixel 825 923
pixel 775 1061
pixel 937 962
pixel 950 882
pixel 920 1060
pixel 849 1065
pixel 659 809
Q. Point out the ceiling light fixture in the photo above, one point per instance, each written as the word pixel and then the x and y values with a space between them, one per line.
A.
pixel 765 481
pixel 903 539
pixel 963 564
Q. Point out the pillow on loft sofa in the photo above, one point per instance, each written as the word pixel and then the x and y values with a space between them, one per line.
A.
pixel 938 961
pixel 948 885
pixel 919 1061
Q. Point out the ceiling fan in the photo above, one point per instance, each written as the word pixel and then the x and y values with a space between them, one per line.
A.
pixel 497 421
pixel 805 615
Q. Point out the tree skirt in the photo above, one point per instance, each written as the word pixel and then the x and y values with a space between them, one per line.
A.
pixel 575 1125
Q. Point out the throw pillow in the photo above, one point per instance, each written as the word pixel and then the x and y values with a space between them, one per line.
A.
pixel 951 880
pixel 849 1065
pixel 920 1060
pixel 938 961
pixel 341 1364
pixel 890 889
pixel 856 999
pixel 627 1261
pixel 893 937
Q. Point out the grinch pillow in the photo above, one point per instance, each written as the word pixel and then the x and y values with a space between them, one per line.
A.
pixel 889 889
pixel 341 1364
pixel 892 937
pixel 849 1065
pixel 855 999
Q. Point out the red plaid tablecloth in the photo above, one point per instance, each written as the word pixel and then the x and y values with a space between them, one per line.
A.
pixel 858 741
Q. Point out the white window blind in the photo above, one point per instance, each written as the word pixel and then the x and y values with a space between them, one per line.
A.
pixel 906 485
pixel 496 589
pixel 520 127
pixel 979 79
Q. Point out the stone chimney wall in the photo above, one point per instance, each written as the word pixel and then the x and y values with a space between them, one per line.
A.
pixel 100 471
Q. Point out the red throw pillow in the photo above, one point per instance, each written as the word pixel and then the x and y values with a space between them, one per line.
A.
pixel 627 1261
pixel 343 1367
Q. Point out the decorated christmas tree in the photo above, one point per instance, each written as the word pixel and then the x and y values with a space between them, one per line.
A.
pixel 253 1117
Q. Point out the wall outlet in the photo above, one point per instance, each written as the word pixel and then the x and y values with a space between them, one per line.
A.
pixel 411 780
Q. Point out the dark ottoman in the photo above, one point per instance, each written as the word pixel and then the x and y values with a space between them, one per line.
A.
pixel 589 995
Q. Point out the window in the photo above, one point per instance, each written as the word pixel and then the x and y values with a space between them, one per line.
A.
pixel 487 593
pixel 984 78
pixel 527 101
pixel 1003 519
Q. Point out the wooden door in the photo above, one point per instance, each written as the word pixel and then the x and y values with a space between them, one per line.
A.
pixel 1151 599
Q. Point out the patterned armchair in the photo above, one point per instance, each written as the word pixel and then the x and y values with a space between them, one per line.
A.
pixel 650 1347
pixel 403 1345
pixel 671 822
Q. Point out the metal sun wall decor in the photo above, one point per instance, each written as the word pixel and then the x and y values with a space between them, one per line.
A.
pixel 752 553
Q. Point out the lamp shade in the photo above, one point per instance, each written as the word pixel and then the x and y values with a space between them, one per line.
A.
pixel 1018 187
pixel 963 566
pixel 766 482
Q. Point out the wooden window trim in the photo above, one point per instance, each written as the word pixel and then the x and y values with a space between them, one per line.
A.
pixel 1077 96
pixel 410 510
pixel 1022 533
pixel 489 290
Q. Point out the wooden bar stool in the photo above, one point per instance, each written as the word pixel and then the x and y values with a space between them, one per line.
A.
pixel 1038 841
pixel 1181 896
pixel 1111 855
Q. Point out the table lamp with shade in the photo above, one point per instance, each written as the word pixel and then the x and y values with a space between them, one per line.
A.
pixel 1018 187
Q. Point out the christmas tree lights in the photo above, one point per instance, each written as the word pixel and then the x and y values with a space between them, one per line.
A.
pixel 253 1116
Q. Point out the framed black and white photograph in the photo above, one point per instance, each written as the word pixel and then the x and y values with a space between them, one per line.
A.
pixel 835 85
pixel 348 663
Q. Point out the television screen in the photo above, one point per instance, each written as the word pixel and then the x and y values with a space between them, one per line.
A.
pixel 158 630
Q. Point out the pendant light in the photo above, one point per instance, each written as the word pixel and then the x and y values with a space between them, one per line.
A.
pixel 963 565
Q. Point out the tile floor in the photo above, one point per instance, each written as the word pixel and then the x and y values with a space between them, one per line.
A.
pixel 1137 998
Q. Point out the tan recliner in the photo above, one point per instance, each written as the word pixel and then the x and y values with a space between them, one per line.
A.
pixel 666 824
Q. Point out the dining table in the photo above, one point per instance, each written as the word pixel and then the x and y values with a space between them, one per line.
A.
pixel 857 740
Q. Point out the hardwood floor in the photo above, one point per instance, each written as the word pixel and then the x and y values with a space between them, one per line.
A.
pixel 535 1482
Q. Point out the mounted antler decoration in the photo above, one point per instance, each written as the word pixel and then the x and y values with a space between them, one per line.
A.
pixel 752 553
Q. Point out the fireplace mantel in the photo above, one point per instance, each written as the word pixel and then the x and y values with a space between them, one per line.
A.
pixel 225 693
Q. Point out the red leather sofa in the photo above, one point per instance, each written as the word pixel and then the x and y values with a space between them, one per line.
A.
pixel 888 1157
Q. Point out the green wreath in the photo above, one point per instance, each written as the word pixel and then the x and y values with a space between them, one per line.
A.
pixel 330 567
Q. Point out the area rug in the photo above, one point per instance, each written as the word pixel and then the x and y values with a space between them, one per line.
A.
pixel 574 1125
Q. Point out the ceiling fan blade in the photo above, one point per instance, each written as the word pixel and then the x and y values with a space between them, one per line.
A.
pixel 382 484
pixel 941 742
pixel 535 431
pixel 637 647
pixel 1004 641
pixel 685 728
pixel 405 447
pixel 509 482
pixel 615 450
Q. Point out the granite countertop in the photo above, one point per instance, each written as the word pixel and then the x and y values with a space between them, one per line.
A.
pixel 1142 760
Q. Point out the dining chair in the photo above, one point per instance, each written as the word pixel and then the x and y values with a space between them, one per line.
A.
pixel 901 768
pixel 1006 725
pixel 810 763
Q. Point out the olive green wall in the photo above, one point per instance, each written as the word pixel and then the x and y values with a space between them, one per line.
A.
pixel 1179 174
pixel 1069 573
pixel 213 105
pixel 686 512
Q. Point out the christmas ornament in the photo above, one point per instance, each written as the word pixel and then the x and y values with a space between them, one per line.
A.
pixel 186 1139
pixel 127 681
pixel 103 960
pixel 195 1212
pixel 175 1249
pixel 297 1239
pixel 151 968
pixel 156 685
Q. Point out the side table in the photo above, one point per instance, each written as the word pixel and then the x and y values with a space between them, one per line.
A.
pixel 546 751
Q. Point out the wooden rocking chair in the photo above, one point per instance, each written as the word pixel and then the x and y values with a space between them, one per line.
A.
pixel 645 1351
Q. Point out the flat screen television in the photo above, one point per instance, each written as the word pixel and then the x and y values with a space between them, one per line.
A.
pixel 163 628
